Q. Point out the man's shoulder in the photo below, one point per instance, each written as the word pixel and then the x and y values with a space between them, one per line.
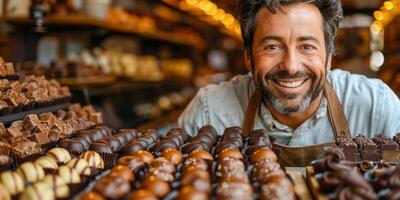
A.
pixel 347 84
pixel 227 89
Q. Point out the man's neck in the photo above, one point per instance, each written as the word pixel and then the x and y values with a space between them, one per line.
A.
pixel 294 120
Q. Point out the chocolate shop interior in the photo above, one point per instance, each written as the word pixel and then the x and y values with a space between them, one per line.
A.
pixel 91 90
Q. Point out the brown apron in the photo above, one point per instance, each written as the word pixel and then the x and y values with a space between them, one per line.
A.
pixel 302 156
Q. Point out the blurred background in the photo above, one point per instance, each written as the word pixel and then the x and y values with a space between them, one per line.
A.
pixel 141 61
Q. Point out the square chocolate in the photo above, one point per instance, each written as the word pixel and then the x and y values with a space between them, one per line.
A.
pixel 16 86
pixel 42 127
pixel 3 131
pixel 14 133
pixel 367 148
pixel 30 122
pixel 9 68
pixel 97 118
pixel 5 148
pixel 348 147
pixel 75 107
pixel 3 104
pixel 17 124
pixel 48 118
pixel 3 71
pixel 42 138
pixel 71 115
pixel 61 114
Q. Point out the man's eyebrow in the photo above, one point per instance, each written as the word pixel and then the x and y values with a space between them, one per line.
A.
pixel 305 38
pixel 271 37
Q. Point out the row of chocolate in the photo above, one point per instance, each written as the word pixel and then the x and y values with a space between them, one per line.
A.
pixel 25 137
pixel 31 92
pixel 50 176
pixel 338 179
pixel 6 69
pixel 377 148
pixel 198 172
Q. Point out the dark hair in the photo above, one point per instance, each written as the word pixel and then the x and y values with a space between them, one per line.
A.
pixel 331 11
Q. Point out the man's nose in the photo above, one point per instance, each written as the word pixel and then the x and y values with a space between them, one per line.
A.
pixel 291 62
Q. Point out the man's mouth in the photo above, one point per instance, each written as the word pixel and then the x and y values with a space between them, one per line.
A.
pixel 290 84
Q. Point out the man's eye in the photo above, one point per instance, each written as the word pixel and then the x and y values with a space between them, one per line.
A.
pixel 272 47
pixel 309 47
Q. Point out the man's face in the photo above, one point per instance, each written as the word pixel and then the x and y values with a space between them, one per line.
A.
pixel 289 56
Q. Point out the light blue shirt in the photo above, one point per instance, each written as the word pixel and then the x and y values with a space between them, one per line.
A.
pixel 370 107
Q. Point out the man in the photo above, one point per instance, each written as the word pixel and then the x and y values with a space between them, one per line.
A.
pixel 288 47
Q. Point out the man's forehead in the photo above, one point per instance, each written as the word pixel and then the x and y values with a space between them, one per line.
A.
pixel 306 11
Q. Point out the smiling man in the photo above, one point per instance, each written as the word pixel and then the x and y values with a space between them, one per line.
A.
pixel 290 90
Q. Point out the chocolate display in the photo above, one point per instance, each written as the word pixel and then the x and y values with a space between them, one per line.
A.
pixel 367 148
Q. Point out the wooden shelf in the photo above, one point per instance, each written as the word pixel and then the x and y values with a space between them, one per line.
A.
pixel 20 115
pixel 83 20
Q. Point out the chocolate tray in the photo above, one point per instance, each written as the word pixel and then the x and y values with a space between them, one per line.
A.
pixel 6 119
pixel 12 77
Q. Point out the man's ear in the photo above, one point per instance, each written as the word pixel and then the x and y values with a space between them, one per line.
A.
pixel 329 62
pixel 247 60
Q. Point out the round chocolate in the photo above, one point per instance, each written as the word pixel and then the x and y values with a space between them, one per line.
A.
pixel 173 155
pixel 5 160
pixel 4 195
pixel 122 171
pixel 178 132
pixel 195 162
pixel 69 174
pixel 146 156
pixel 132 147
pixel 202 154
pixel 189 147
pixel 101 147
pixel 278 187
pixel 93 158
pixel 154 134
pixel 197 178
pixel 114 143
pixel 162 164
pixel 232 133
pixel 230 153
pixel 112 187
pixel 161 174
pixel 31 172
pixel 91 196
pixel 123 137
pixel 229 167
pixel 80 165
pixel 85 138
pixel 72 145
pixel 205 139
pixel 190 193
pixel 227 144
pixel 163 145
pixel 60 155
pixel 263 169
pixel 47 162
pixel 58 185
pixel 13 182
pixel 132 132
pixel 176 139
pixel 208 129
pixel 38 191
pixel 259 137
pixel 157 186
pixel 234 189
pixel 146 142
pixel 142 195
pixel 262 154
pixel 133 162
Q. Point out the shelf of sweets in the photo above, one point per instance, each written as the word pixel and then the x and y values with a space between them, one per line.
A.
pixel 35 133
pixel 112 25
pixel 30 94
pixel 117 166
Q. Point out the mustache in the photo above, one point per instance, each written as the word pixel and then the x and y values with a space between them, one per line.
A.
pixel 286 75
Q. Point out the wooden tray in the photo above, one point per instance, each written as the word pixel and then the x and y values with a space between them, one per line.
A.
pixel 314 185
pixel 88 81
pixel 300 185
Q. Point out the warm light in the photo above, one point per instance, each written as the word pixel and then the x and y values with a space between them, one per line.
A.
pixel 228 20
pixel 212 9
pixel 183 5
pixel 376 27
pixel 377 59
pixel 388 5
pixel 219 14
pixel 237 29
pixel 378 15
pixel 191 2
pixel 202 4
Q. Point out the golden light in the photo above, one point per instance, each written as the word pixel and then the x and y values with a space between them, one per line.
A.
pixel 228 20
pixel 378 15
pixel 219 14
pixel 388 5
pixel 203 4
pixel 212 9
pixel 376 27
pixel 191 2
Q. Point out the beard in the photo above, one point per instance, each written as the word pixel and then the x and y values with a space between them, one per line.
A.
pixel 284 104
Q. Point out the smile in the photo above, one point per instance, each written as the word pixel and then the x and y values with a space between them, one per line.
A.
pixel 290 84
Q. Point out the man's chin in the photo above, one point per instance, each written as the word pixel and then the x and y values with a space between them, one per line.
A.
pixel 290 106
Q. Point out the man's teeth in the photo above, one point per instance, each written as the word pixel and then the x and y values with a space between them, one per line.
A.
pixel 289 84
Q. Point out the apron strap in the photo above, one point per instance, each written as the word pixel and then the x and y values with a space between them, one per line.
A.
pixel 336 114
pixel 335 110
pixel 251 113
